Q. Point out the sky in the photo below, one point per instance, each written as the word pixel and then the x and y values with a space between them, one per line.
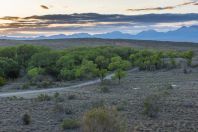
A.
pixel 48 17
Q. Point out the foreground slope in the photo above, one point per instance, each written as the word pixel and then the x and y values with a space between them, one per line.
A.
pixel 178 111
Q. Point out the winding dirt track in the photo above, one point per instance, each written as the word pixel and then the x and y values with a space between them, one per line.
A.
pixel 34 93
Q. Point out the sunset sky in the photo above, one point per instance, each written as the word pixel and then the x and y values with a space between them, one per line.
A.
pixel 47 17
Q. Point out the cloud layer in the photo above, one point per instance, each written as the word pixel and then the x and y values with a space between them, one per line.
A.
pixel 164 8
pixel 90 22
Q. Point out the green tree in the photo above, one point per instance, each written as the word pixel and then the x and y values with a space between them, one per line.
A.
pixel 8 52
pixel 119 66
pixel 47 61
pixel 102 62
pixel 34 72
pixel 188 55
pixel 87 70
pixel 9 68
pixel 118 63
pixel 67 74
pixel 66 61
pixel 25 52
pixel 101 73
pixel 119 74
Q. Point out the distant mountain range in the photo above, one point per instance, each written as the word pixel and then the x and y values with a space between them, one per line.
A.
pixel 183 34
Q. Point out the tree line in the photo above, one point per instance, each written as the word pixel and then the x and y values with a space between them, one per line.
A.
pixel 81 62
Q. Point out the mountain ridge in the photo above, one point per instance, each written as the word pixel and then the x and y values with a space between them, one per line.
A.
pixel 183 34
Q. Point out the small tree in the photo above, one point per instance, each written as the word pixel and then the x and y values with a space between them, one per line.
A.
pixel 188 55
pixel 119 74
pixel 119 66
pixel 101 73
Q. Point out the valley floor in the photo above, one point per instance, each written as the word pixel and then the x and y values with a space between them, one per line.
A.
pixel 178 110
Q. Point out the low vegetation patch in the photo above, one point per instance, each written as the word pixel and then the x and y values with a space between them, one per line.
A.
pixel 70 124
pixel 104 89
pixel 60 108
pixel 43 97
pixel 72 97
pixel 26 118
pixel 103 120
pixel 151 105
pixel 154 102
pixel 15 98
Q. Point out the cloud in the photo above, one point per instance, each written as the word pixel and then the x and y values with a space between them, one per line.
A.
pixel 10 18
pixel 187 3
pixel 84 18
pixel 89 22
pixel 44 7
pixel 152 9
pixel 164 8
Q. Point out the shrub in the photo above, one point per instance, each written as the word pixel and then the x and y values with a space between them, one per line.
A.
pixel 103 120
pixel 121 106
pixel 14 98
pixel 60 108
pixel 56 95
pixel 26 118
pixel 25 86
pixel 98 104
pixel 43 97
pixel 151 106
pixel 70 124
pixel 104 89
pixel 72 97
pixel 2 81
pixel 34 72
pixel 44 84
pixel 169 86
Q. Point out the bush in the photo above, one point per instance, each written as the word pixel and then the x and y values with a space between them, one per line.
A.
pixel 2 81
pixel 70 124
pixel 44 84
pixel 104 89
pixel 60 108
pixel 14 98
pixel 26 118
pixel 72 97
pixel 103 120
pixel 151 106
pixel 25 86
pixel 34 72
pixel 121 106
pixel 43 97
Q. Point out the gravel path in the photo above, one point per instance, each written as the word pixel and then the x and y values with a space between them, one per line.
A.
pixel 34 93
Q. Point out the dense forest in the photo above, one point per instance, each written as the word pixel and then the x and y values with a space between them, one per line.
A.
pixel 42 64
